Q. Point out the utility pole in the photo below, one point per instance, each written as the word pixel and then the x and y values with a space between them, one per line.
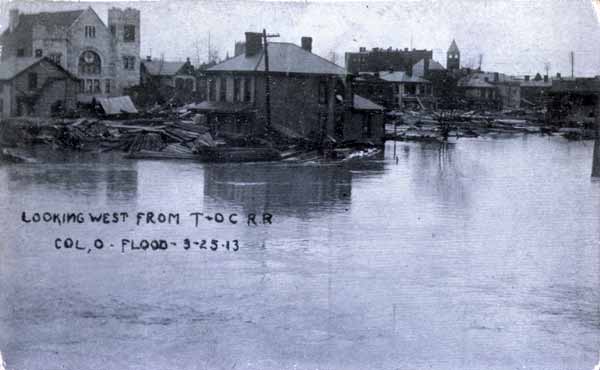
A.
pixel 596 159
pixel 209 49
pixel 572 65
pixel 267 78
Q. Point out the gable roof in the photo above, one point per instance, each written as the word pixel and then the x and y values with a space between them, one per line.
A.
pixel 433 65
pixel 47 19
pixel 453 47
pixel 361 103
pixel 13 67
pixel 284 58
pixel 162 67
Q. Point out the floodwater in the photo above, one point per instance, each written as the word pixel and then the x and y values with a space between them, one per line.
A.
pixel 480 255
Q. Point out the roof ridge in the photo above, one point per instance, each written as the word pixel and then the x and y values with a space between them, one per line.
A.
pixel 320 57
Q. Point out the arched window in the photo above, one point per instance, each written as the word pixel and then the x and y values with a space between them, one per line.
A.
pixel 89 63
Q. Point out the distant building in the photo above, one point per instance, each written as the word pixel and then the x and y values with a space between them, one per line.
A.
pixel 104 57
pixel 453 57
pixel 534 91
pixel 490 90
pixel 386 59
pixel 35 86
pixel 395 89
pixel 168 79
pixel 573 101
pixel 310 96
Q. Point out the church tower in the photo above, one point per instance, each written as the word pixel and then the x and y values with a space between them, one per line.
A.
pixel 453 57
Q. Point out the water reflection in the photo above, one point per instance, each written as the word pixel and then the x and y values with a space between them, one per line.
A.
pixel 294 191
pixel 87 174
pixel 291 189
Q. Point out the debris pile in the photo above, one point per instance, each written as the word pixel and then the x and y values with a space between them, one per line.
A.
pixel 440 125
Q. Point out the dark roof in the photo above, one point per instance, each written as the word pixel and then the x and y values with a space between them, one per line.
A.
pixel 435 66
pixel 48 19
pixel 453 47
pixel 12 67
pixel 162 67
pixel 576 86
pixel 283 57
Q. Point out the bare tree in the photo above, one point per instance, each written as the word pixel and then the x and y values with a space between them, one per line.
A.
pixel 333 56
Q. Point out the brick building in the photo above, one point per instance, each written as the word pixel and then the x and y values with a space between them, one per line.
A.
pixel 310 96
pixel 379 59
pixel 104 57
pixel 35 86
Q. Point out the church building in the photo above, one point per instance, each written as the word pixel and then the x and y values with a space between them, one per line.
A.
pixel 105 58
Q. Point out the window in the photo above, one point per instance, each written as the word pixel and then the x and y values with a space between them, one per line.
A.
pixel 39 53
pixel 90 31
pixel 33 81
pixel 89 63
pixel 97 86
pixel 237 82
pixel 129 63
pixel 107 86
pixel 1 106
pixel 113 30
pixel 129 33
pixel 20 52
pixel 89 86
pixel 56 58
pixel 81 86
pixel 222 89
pixel 323 92
pixel 247 89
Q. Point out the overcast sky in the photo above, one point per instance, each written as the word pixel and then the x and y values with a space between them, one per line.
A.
pixel 513 36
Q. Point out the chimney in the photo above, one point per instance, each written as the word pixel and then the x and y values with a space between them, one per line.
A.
pixel 405 49
pixel 148 58
pixel 306 43
pixel 426 66
pixel 545 78
pixel 362 49
pixel 526 77
pixel 253 43
pixel 558 76
pixel 496 76
pixel 13 19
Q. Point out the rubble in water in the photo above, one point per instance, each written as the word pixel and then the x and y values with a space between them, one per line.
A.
pixel 441 125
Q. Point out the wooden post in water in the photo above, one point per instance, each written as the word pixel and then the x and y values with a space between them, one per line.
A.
pixel 596 160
